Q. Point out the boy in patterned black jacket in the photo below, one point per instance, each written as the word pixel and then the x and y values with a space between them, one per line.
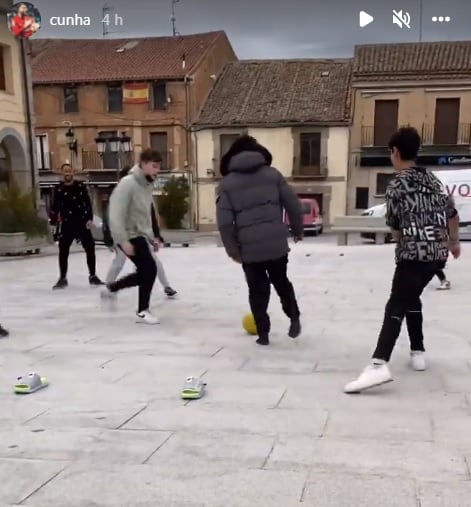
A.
pixel 425 225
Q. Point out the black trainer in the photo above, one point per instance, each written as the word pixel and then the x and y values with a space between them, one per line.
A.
pixel 263 340
pixel 3 332
pixel 294 328
pixel 169 292
pixel 94 281
pixel 62 283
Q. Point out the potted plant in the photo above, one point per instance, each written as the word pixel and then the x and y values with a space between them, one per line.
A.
pixel 173 203
pixel 173 207
pixel 21 229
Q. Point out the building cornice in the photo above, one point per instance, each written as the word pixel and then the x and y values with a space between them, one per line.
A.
pixel 299 125
pixel 397 85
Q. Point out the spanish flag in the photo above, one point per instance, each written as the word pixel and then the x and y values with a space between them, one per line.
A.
pixel 136 93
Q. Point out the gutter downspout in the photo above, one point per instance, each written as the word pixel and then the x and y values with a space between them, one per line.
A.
pixel 350 161
pixel 28 92
pixel 188 148
pixel 197 183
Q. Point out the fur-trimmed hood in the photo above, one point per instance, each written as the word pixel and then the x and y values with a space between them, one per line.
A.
pixel 244 143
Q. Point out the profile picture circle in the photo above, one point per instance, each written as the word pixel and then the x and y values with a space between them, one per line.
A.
pixel 24 20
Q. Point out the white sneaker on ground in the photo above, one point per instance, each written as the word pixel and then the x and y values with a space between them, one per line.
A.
pixel 417 360
pixel 146 317
pixel 373 375
pixel 445 285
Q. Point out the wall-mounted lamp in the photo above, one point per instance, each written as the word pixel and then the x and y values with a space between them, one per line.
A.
pixel 117 144
pixel 71 141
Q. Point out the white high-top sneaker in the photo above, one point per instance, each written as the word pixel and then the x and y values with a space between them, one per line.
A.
pixel 417 360
pixel 146 317
pixel 373 375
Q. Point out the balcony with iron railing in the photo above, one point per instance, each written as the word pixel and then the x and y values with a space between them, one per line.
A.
pixel 317 169
pixel 372 137
pixel 432 137
pixel 435 136
pixel 92 159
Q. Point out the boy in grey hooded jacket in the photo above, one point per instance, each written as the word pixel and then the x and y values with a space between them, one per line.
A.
pixel 131 228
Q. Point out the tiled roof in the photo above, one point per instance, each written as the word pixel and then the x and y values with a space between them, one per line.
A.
pixel 418 61
pixel 266 92
pixel 87 60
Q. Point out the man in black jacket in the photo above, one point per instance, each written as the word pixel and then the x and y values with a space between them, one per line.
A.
pixel 249 206
pixel 72 213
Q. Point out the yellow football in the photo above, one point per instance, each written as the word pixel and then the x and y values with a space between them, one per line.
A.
pixel 248 323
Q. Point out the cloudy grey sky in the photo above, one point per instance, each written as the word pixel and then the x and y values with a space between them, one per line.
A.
pixel 267 28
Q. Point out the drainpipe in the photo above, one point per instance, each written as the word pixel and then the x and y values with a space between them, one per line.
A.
pixel 188 145
pixel 28 94
pixel 197 184
pixel 351 164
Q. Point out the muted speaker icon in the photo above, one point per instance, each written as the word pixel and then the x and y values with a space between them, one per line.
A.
pixel 401 19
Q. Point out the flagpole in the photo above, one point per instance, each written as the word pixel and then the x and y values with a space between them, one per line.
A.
pixel 421 15
pixel 174 19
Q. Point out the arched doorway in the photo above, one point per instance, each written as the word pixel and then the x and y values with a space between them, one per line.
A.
pixel 14 166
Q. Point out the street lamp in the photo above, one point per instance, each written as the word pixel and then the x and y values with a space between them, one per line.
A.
pixel 115 144
pixel 126 143
pixel 71 141
pixel 100 144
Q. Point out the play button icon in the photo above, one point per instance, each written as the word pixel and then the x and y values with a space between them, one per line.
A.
pixel 365 19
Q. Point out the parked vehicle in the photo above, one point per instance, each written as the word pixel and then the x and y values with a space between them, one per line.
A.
pixel 457 183
pixel 312 217
pixel 375 211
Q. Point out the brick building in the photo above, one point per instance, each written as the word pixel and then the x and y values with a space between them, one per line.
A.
pixel 149 90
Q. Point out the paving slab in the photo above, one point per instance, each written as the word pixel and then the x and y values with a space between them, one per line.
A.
pixel 325 490
pixel 423 460
pixel 22 478
pixel 222 448
pixel 275 428
pixel 140 486
pixel 440 494
pixel 238 418
pixel 84 444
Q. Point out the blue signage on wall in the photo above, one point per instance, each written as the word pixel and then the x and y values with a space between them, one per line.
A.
pixel 425 160
pixel 460 160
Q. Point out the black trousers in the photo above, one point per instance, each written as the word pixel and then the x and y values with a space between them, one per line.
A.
pixel 143 277
pixel 259 275
pixel 440 273
pixel 409 281
pixel 68 233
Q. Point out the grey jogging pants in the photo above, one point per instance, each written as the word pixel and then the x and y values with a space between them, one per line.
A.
pixel 119 261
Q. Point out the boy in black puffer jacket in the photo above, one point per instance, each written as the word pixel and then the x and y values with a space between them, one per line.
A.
pixel 249 207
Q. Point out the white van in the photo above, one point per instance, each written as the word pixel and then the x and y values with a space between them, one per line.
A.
pixel 457 183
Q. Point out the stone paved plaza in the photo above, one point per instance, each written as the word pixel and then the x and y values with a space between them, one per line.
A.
pixel 275 429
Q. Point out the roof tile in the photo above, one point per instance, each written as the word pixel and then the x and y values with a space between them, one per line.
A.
pixel 418 61
pixel 257 92
pixel 88 60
